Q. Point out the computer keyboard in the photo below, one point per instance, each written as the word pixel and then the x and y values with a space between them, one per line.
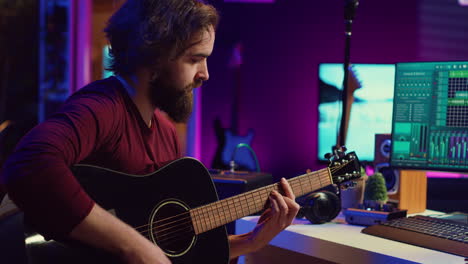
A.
pixel 424 231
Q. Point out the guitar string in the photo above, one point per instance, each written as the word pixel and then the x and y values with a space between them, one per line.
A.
pixel 163 238
pixel 215 211
pixel 184 213
pixel 176 227
pixel 158 222
pixel 178 234
pixel 185 226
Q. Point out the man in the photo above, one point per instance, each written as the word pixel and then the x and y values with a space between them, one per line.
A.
pixel 160 50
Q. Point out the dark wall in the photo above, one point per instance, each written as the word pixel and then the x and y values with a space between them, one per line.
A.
pixel 283 45
pixel 18 61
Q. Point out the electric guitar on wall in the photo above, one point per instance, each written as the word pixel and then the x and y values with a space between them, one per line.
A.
pixel 353 84
pixel 229 138
pixel 177 208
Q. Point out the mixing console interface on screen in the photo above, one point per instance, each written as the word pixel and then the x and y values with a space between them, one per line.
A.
pixel 430 116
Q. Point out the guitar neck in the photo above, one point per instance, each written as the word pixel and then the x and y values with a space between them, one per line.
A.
pixel 219 213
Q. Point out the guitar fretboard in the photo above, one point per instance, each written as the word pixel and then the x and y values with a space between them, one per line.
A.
pixel 219 213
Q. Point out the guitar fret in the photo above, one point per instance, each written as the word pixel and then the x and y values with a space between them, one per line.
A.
pixel 250 201
pixel 233 208
pixel 230 207
pixel 248 207
pixel 295 185
pixel 194 220
pixel 223 218
pixel 200 220
pixel 242 205
pixel 326 176
pixel 205 217
pixel 223 207
pixel 310 182
pixel 236 207
pixel 216 215
pixel 300 185
pixel 212 211
pixel 320 180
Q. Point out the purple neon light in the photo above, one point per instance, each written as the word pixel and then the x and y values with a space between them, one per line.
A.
pixel 83 47
pixel 80 44
pixel 441 174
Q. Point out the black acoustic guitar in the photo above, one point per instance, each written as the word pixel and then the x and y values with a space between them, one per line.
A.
pixel 177 206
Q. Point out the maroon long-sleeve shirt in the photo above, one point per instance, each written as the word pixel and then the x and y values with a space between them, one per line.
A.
pixel 98 125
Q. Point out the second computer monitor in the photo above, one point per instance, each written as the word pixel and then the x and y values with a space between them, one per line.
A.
pixel 371 112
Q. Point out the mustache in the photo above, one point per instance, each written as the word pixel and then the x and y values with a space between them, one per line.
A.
pixel 195 84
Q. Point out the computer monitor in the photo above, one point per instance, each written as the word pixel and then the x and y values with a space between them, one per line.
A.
pixel 430 116
pixel 371 112
pixel 106 61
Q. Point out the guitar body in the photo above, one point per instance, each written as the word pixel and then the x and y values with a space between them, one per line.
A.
pixel 142 201
pixel 228 141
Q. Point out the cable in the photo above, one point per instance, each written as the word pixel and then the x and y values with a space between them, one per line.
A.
pixel 243 145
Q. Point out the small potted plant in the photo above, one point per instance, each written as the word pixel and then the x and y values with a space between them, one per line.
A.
pixel 375 194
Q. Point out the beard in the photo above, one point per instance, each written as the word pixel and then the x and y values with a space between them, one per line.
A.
pixel 176 102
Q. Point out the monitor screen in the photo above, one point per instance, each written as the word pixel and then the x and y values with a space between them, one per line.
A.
pixel 430 116
pixel 106 61
pixel 371 112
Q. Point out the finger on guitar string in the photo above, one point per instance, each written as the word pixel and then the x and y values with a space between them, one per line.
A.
pixel 282 207
pixel 288 192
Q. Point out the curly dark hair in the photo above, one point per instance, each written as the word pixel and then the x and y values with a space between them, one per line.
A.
pixel 142 32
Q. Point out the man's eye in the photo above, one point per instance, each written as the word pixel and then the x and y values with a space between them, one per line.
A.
pixel 196 59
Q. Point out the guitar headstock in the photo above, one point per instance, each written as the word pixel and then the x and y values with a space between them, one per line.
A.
pixel 344 167
pixel 353 81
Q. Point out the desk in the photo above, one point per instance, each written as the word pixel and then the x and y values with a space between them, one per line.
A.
pixel 342 243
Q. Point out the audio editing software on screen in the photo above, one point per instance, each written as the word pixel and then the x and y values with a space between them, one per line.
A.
pixel 430 116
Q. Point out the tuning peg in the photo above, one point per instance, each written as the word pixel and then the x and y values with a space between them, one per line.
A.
pixel 328 156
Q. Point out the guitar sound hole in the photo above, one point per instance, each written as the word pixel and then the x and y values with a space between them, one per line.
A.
pixel 172 228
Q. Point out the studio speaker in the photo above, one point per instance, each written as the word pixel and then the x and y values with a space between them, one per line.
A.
pixel 406 188
pixel 383 146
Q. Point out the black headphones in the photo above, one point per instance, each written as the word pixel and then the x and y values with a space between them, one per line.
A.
pixel 319 207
